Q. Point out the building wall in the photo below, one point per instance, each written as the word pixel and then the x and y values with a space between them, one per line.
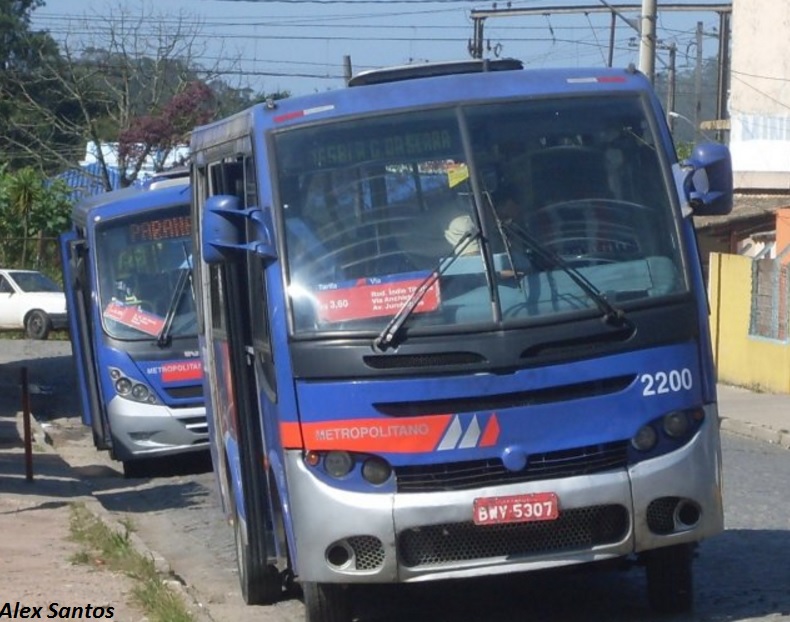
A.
pixel 759 103
pixel 741 359
pixel 783 235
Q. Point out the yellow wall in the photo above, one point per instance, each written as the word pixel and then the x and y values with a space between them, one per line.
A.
pixel 741 359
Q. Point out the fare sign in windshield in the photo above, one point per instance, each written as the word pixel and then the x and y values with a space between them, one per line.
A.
pixel 373 297
pixel 134 317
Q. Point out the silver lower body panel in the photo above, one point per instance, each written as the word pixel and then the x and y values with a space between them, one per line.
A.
pixel 142 431
pixel 355 537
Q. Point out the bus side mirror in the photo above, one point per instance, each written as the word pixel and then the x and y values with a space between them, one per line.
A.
pixel 708 183
pixel 223 234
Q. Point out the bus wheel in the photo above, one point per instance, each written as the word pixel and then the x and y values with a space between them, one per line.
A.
pixel 260 582
pixel 133 469
pixel 669 578
pixel 326 602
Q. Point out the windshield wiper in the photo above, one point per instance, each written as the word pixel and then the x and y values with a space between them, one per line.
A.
pixel 184 277
pixel 611 314
pixel 163 339
pixel 500 225
pixel 393 328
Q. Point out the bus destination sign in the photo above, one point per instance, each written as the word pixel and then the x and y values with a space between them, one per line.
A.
pixel 160 229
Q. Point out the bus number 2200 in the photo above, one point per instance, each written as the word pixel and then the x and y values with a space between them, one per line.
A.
pixel 666 382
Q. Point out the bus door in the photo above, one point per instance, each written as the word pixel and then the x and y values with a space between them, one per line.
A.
pixel 242 351
pixel 76 280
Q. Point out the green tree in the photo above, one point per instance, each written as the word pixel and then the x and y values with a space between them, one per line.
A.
pixel 23 54
pixel 31 210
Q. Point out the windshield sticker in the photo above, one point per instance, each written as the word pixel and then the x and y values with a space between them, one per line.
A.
pixel 457 174
pixel 134 317
pixel 373 297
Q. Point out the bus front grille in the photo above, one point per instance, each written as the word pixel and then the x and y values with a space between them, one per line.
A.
pixel 477 473
pixel 183 393
pixel 575 530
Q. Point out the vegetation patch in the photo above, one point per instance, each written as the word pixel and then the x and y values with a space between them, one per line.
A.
pixel 112 550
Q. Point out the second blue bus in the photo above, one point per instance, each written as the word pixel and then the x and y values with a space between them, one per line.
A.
pixel 128 280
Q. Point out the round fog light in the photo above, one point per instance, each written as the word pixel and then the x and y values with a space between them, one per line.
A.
pixel 338 463
pixel 376 471
pixel 676 424
pixel 645 439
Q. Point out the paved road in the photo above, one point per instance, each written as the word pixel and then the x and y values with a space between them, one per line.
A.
pixel 742 574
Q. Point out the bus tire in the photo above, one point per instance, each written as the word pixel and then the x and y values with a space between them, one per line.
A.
pixel 133 469
pixel 260 582
pixel 669 578
pixel 326 602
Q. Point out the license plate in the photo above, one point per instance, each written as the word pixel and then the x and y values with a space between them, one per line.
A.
pixel 516 509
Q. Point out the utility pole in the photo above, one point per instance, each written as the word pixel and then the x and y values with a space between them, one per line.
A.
pixel 647 43
pixel 724 70
pixel 698 84
pixel 671 79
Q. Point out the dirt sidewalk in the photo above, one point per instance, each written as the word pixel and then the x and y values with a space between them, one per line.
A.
pixel 35 549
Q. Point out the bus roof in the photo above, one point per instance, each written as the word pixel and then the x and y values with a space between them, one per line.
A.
pixel 410 87
pixel 122 202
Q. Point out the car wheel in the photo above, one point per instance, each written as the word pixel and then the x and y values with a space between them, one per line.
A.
pixel 37 325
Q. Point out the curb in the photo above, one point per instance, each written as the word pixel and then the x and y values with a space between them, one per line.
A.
pixel 756 432
pixel 200 613
pixel 40 432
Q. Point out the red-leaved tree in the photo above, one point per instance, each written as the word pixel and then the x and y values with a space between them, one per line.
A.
pixel 158 134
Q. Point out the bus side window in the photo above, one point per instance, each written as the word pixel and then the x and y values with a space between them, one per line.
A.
pixel 257 290
pixel 227 178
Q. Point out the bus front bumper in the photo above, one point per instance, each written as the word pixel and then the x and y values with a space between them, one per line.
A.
pixel 351 537
pixel 142 431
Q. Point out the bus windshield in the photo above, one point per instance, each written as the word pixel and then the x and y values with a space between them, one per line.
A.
pixel 563 203
pixel 140 260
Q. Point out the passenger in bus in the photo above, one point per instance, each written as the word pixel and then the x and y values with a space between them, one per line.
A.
pixel 457 229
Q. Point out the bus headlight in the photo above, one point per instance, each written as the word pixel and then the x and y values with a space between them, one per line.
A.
pixel 376 470
pixel 676 424
pixel 123 386
pixel 338 463
pixel 132 389
pixel 140 392
pixel 645 439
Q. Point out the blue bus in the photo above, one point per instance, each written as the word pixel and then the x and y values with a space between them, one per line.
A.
pixel 454 324
pixel 133 326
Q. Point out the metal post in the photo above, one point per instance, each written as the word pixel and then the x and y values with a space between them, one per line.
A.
pixel 671 79
pixel 611 38
pixel 27 428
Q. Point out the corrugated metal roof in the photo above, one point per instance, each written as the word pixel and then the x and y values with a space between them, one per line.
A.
pixel 745 207
pixel 88 180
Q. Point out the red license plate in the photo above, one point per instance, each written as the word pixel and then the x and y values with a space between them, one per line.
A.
pixel 516 509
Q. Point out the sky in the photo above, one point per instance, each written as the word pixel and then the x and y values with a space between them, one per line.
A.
pixel 300 46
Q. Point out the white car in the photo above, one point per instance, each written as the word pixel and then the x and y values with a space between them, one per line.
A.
pixel 31 301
